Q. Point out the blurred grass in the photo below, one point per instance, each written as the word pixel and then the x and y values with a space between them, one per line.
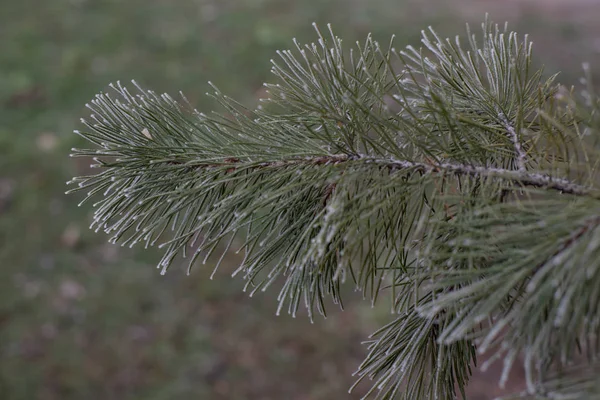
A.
pixel 81 319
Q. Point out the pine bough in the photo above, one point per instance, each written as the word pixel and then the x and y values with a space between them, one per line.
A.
pixel 454 180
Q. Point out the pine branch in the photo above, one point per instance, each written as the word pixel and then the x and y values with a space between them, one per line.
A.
pixel 497 274
pixel 525 179
pixel 459 183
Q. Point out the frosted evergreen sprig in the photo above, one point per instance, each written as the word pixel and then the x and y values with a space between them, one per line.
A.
pixel 453 180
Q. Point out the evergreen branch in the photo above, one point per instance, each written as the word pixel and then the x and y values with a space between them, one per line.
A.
pixel 438 174
pixel 536 180
pixel 497 275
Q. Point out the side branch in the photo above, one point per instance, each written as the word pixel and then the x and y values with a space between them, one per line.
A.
pixel 514 138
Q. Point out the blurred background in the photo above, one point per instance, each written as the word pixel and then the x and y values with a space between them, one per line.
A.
pixel 82 319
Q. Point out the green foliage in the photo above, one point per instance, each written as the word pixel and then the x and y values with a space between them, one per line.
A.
pixel 454 180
